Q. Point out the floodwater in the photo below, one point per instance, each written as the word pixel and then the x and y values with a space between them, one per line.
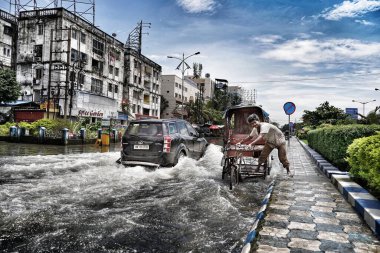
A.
pixel 82 201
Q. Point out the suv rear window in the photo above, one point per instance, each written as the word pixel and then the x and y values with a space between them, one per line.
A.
pixel 150 129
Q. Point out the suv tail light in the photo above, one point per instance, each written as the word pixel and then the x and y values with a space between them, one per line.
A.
pixel 167 144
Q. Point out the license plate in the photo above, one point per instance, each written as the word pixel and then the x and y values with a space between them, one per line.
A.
pixel 141 147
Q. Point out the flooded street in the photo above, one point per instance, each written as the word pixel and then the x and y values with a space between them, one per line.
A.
pixel 85 202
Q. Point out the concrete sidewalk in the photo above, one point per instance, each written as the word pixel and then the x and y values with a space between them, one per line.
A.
pixel 308 214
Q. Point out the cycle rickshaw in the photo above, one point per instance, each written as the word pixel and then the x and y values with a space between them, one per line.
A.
pixel 241 161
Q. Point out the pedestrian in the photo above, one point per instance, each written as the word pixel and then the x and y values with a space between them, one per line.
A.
pixel 273 138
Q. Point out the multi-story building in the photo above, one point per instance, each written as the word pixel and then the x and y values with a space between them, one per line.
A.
pixel 142 85
pixel 8 37
pixel 69 66
pixel 172 91
pixel 207 85
pixel 235 90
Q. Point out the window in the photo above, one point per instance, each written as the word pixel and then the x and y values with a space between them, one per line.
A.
pixel 116 88
pixel 38 50
pixel 135 94
pixel 182 128
pixel 172 128
pixel 110 69
pixel 83 38
pixel 97 66
pixel 8 52
pixel 96 86
pixel 8 30
pixel 110 87
pixel 39 74
pixel 74 34
pixel 81 78
pixel 4 51
pixel 40 29
pixel 191 130
pixel 116 71
pixel 97 47
pixel 75 56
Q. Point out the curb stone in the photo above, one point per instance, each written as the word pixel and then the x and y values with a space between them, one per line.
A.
pixel 360 199
pixel 259 217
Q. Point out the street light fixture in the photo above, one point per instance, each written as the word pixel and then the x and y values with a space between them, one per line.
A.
pixel 182 66
pixel 377 89
pixel 364 103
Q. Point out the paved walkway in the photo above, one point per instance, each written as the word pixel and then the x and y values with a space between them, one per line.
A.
pixel 308 214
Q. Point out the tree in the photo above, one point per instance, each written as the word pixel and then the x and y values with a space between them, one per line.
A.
pixel 10 90
pixel 197 70
pixel 373 117
pixel 324 113
pixel 235 99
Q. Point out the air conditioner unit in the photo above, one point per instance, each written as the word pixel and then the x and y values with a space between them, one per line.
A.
pixel 38 59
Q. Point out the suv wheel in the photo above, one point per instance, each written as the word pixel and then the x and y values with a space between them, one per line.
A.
pixel 180 156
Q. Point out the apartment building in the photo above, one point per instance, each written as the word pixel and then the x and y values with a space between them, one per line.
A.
pixel 142 88
pixel 208 86
pixel 172 91
pixel 8 37
pixel 69 66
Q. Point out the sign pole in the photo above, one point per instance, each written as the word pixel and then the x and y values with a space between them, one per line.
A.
pixel 289 130
pixel 289 108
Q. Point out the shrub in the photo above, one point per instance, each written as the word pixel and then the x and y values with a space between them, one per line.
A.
pixel 364 160
pixel 4 129
pixel 332 141
pixel 302 133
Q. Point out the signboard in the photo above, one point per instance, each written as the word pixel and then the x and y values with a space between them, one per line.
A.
pixel 106 122
pixel 59 67
pixel 289 108
pixel 353 112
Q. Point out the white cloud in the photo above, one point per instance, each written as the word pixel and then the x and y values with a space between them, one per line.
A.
pixel 351 9
pixel 364 22
pixel 197 6
pixel 267 39
pixel 322 51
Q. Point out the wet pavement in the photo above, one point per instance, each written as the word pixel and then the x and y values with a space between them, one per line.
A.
pixel 308 214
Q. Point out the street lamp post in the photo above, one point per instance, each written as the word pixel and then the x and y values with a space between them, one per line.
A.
pixel 364 103
pixel 182 66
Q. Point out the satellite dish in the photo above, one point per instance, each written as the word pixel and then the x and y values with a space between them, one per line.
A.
pixel 114 34
pixel 207 75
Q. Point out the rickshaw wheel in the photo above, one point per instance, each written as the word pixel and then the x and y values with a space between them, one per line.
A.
pixel 233 176
pixel 241 163
pixel 225 168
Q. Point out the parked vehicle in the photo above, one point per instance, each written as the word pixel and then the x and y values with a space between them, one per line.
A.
pixel 160 142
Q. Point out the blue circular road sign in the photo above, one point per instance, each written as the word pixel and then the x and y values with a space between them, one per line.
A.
pixel 289 108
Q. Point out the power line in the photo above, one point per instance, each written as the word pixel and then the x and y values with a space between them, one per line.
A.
pixel 305 79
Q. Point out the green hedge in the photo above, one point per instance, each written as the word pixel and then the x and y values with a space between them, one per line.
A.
pixel 332 141
pixel 364 160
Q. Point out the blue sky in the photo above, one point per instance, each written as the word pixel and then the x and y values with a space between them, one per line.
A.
pixel 304 51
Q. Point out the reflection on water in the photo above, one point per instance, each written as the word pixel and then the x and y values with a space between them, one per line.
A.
pixel 23 149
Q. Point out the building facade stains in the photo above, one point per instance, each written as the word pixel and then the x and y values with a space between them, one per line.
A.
pixel 73 69
pixel 8 38
pixel 142 89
